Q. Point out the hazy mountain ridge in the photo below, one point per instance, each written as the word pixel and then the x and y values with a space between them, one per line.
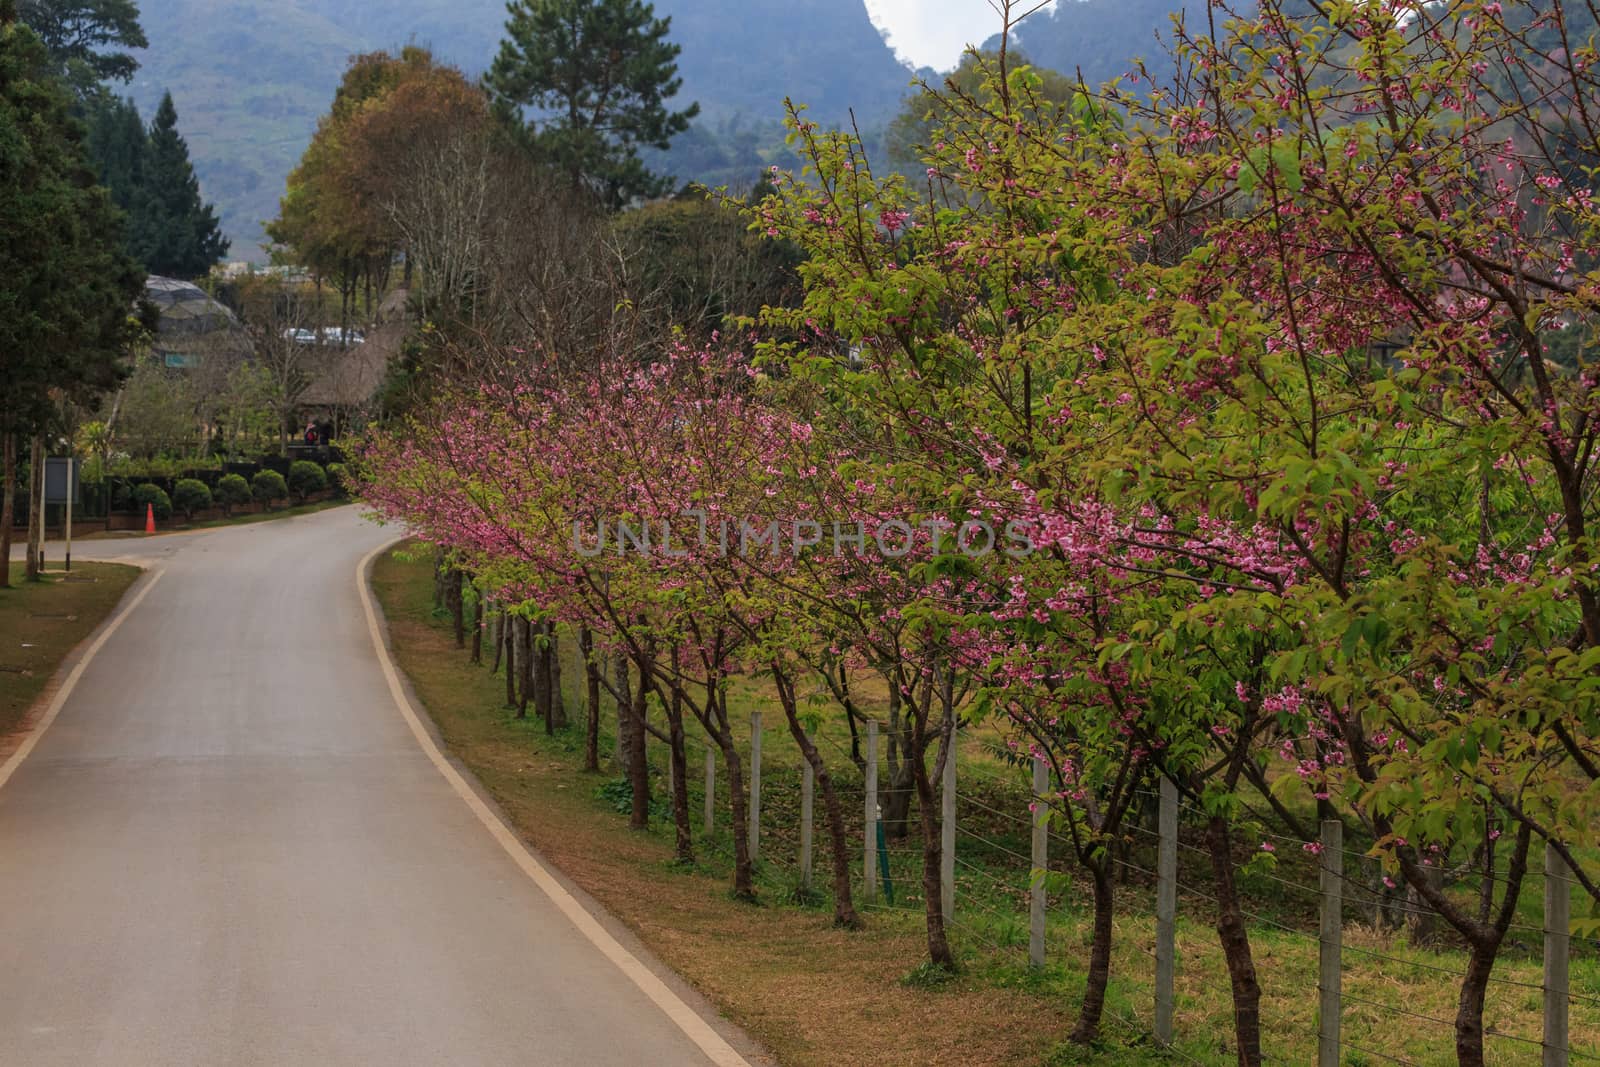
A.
pixel 1101 39
pixel 251 78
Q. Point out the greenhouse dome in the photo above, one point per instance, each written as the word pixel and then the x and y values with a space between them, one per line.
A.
pixel 185 307
pixel 192 323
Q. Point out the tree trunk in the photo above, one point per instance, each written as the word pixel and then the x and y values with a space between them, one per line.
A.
pixel 1235 946
pixel 932 853
pixel 591 676
pixel 1099 974
pixel 1469 1005
pixel 547 704
pixel 508 634
pixel 1484 941
pixel 497 625
pixel 454 596
pixel 622 756
pixel 8 503
pixel 524 665
pixel 639 756
pixel 35 512
pixel 844 908
pixel 477 628
pixel 680 780
pixel 743 869
pixel 552 659
pixel 899 788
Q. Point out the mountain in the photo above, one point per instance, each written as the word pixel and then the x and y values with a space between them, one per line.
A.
pixel 1102 38
pixel 251 77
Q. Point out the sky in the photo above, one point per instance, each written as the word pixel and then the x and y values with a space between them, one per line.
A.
pixel 934 33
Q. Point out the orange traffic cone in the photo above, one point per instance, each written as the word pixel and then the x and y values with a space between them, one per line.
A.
pixel 149 518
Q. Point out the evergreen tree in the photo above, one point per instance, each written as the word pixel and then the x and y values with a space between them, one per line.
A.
pixel 584 84
pixel 67 290
pixel 174 232
pixel 116 144
pixel 86 42
pixel 85 38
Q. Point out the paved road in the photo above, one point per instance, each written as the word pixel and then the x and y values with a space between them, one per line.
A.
pixel 230 849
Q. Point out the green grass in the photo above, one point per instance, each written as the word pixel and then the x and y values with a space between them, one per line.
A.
pixel 41 622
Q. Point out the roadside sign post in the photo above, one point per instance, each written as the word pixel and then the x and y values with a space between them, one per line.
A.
pixel 71 481
pixel 44 516
pixel 60 487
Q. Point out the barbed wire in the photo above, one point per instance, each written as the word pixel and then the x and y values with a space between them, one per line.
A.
pixel 960 796
pixel 1353 1047
pixel 994 845
pixel 1138 1028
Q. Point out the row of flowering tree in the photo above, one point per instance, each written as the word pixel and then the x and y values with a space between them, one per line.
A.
pixel 1239 431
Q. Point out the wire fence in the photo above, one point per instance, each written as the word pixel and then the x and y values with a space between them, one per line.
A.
pixel 1014 889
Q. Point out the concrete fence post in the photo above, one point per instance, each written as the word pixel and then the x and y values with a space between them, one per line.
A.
pixel 1041 861
pixel 1330 977
pixel 869 847
pixel 947 834
pixel 807 793
pixel 1557 943
pixel 1166 908
pixel 755 786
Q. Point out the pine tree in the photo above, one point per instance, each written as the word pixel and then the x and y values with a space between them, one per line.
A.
pixel 82 36
pixel 584 84
pixel 174 233
pixel 116 144
pixel 67 290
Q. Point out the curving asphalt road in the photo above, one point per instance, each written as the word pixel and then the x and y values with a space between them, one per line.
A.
pixel 229 848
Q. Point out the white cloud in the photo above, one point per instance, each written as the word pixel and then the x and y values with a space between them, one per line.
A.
pixel 934 33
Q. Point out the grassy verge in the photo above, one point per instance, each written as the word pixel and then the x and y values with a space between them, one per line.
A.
pixel 818 996
pixel 41 622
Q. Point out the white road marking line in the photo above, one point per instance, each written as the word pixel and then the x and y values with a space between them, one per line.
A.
pixel 716 1048
pixel 10 766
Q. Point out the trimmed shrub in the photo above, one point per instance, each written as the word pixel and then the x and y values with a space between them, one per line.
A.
pixel 306 478
pixel 268 486
pixel 147 493
pixel 336 478
pixel 232 491
pixel 191 495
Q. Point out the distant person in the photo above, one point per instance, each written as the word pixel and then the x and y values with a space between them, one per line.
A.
pixel 311 433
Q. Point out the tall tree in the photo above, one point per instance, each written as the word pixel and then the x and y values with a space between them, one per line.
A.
pixel 66 287
pixel 333 215
pixel 87 39
pixel 174 233
pixel 585 85
pixel 116 143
